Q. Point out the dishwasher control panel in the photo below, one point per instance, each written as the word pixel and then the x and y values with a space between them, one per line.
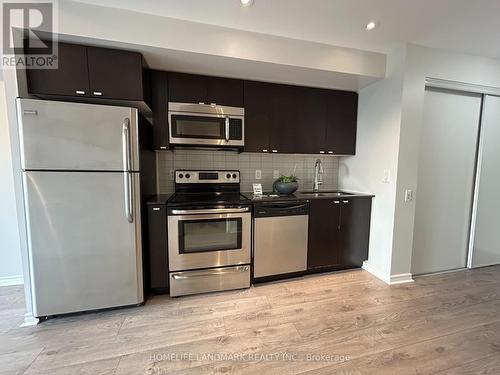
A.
pixel 274 209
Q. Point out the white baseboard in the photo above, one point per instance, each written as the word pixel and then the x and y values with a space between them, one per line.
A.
pixel 375 272
pixel 11 280
pixel 388 279
pixel 29 320
pixel 402 278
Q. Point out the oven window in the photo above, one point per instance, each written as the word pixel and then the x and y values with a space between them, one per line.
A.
pixel 198 127
pixel 209 235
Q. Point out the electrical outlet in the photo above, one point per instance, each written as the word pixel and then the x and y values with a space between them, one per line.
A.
pixel 408 195
pixel 258 174
pixel 276 173
pixel 387 176
pixel 172 175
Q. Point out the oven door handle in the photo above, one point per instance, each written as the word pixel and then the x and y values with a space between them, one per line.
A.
pixel 211 211
pixel 233 270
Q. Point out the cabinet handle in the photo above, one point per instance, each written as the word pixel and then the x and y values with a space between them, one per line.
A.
pixel 264 150
pixel 322 152
pixel 336 202
pixel 156 208
pixel 201 102
pixel 330 152
pixel 346 202
pixel 275 150
pixel 80 92
pixel 163 147
pixel 97 93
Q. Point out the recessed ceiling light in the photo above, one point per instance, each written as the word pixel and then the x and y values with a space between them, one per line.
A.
pixel 370 25
pixel 246 3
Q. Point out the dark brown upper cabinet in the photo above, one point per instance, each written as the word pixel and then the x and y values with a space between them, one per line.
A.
pixel 311 121
pixel 258 119
pixel 284 111
pixel 187 88
pixel 342 113
pixel 115 74
pixel 94 73
pixel 192 88
pixel 159 100
pixel 302 120
pixel 71 78
pixel 225 91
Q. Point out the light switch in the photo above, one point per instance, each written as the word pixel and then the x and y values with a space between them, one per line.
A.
pixel 276 173
pixel 258 174
pixel 387 176
pixel 408 195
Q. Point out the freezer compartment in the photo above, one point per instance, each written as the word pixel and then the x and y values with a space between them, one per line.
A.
pixel 74 136
pixel 209 280
pixel 84 238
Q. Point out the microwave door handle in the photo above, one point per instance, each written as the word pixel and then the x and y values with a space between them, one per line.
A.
pixel 227 129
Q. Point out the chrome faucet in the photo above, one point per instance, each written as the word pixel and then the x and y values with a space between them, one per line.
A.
pixel 318 175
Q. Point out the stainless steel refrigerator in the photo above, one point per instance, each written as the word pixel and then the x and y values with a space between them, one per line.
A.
pixel 81 181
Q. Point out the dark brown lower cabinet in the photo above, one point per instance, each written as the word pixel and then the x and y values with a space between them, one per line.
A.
pixel 339 232
pixel 157 247
pixel 324 247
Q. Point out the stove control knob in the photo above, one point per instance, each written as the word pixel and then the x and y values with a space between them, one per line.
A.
pixel 235 175
pixel 188 175
pixel 181 175
pixel 228 176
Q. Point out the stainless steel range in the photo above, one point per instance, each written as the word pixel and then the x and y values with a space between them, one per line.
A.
pixel 209 233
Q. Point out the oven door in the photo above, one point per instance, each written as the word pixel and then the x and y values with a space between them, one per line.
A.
pixel 206 129
pixel 208 238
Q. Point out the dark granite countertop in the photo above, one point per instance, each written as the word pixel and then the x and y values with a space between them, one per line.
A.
pixel 308 195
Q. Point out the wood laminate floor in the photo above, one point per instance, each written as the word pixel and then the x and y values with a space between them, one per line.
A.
pixel 343 323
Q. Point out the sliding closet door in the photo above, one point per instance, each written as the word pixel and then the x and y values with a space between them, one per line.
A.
pixel 445 181
pixel 487 228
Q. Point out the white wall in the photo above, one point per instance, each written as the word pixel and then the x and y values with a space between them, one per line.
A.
pixel 10 251
pixel 379 119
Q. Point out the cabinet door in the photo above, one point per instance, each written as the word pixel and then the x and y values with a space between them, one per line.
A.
pixel 159 106
pixel 285 106
pixel 115 74
pixel 225 91
pixel 311 121
pixel 258 119
pixel 355 229
pixel 157 242
pixel 187 88
pixel 342 113
pixel 325 242
pixel 71 78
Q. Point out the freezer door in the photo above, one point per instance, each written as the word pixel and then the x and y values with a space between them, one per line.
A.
pixel 85 254
pixel 75 136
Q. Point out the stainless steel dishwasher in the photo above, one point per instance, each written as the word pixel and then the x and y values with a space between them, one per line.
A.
pixel 280 237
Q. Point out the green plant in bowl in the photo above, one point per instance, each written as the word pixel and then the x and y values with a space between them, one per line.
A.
pixel 286 184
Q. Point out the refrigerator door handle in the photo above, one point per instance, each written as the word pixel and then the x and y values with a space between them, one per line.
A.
pixel 129 200
pixel 127 162
pixel 127 176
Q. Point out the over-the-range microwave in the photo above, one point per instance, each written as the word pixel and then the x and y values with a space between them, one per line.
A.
pixel 206 125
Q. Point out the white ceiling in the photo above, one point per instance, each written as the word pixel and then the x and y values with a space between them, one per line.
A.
pixel 469 26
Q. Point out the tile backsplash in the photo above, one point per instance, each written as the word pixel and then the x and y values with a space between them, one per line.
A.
pixel 247 163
